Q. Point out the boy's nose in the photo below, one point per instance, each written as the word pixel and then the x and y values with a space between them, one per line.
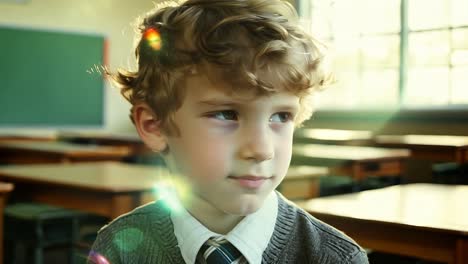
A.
pixel 256 145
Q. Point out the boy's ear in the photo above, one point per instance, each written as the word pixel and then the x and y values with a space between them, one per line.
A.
pixel 148 127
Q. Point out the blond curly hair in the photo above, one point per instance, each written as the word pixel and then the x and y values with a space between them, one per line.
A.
pixel 250 44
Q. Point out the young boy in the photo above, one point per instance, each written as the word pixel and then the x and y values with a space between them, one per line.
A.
pixel 220 87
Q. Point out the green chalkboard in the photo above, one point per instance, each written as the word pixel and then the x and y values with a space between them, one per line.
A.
pixel 49 79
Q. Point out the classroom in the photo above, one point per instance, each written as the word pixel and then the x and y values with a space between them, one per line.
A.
pixel 383 157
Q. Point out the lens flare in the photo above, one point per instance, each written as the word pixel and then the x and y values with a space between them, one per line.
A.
pixel 172 191
pixel 128 239
pixel 153 38
pixel 97 258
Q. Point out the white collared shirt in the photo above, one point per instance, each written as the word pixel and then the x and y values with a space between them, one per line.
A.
pixel 251 236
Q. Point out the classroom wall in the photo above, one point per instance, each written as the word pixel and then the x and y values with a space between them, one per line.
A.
pixel 111 18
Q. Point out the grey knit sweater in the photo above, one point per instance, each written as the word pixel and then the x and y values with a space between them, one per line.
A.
pixel 145 236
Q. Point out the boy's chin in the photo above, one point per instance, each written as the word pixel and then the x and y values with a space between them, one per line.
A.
pixel 244 207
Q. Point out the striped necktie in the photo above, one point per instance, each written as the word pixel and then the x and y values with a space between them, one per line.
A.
pixel 218 250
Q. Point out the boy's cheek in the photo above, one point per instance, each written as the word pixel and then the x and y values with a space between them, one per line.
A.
pixel 205 162
pixel 283 155
pixel 212 164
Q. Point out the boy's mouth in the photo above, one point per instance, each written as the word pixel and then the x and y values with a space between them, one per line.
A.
pixel 249 181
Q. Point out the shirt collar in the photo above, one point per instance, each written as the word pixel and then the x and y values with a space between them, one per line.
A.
pixel 251 236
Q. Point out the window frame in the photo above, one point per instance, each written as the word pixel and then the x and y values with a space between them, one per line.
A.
pixel 451 113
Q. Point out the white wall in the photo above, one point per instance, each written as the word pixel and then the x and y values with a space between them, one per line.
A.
pixel 111 18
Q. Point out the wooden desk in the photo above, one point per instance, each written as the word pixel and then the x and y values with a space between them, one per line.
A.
pixel 429 147
pixel 30 152
pixel 5 189
pixel 427 221
pixel 11 138
pixel 358 162
pixel 105 188
pixel 334 136
pixel 139 152
pixel 302 182
pixel 130 140
pixel 103 137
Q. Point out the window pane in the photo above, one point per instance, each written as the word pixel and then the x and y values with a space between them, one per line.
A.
pixel 320 23
pixel 367 64
pixel 346 53
pixel 460 46
pixel 459 93
pixel 381 51
pixel 429 48
pixel 346 17
pixel 343 94
pixel 459 13
pixel 427 87
pixel 379 88
pixel 427 14
pixel 350 18
pixel 380 16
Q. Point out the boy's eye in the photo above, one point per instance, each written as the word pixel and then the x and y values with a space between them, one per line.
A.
pixel 224 115
pixel 281 117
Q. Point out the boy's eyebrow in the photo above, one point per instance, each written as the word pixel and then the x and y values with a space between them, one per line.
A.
pixel 287 107
pixel 218 102
pixel 221 102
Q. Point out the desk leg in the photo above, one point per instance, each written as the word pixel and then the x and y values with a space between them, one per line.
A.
pixel 2 206
pixel 464 155
pixel 357 171
pixel 461 251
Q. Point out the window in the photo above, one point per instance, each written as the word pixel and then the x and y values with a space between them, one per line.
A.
pixel 391 54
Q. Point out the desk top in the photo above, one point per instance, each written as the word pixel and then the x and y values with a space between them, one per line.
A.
pixel 103 136
pixel 63 148
pixel 349 153
pixel 422 140
pixel 6 187
pixel 98 176
pixel 335 134
pixel 306 172
pixel 427 206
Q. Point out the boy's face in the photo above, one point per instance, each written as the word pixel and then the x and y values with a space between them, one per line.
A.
pixel 232 150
